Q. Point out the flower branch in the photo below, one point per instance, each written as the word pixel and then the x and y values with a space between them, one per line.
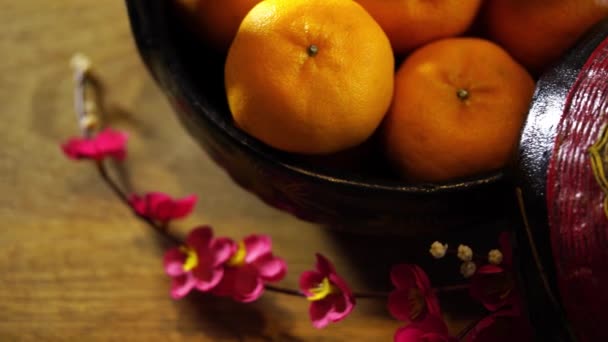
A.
pixel 244 269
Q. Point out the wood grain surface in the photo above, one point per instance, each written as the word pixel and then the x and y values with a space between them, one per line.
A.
pixel 76 265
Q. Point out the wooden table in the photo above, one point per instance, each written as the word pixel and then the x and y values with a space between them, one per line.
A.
pixel 77 265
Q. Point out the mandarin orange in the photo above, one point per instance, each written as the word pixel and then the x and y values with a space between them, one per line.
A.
pixel 412 23
pixel 538 32
pixel 458 107
pixel 215 21
pixel 309 76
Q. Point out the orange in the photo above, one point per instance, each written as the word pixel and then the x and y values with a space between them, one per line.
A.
pixel 538 32
pixel 412 23
pixel 215 20
pixel 309 76
pixel 458 107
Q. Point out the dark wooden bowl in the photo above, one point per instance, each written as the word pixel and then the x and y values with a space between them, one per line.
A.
pixel 191 76
pixel 562 247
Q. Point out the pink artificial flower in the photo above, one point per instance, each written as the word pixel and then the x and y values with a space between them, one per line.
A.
pixel 159 206
pixel 199 264
pixel 431 329
pixel 331 300
pixel 250 266
pixel 106 143
pixel 493 285
pixel 413 299
pixel 502 326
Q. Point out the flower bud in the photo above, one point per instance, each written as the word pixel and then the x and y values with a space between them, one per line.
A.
pixel 465 253
pixel 495 257
pixel 467 269
pixel 438 250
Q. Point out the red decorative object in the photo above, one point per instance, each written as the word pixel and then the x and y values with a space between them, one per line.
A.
pixel 576 200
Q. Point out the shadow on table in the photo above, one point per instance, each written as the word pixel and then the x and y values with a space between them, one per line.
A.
pixel 223 318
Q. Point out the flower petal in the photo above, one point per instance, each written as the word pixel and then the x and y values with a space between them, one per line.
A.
pixel 343 305
pixel 256 246
pixel 504 240
pixel 248 285
pixel 432 303
pixel 200 238
pixel 111 142
pixel 490 269
pixel 431 329
pixel 422 280
pixel 324 266
pixel 208 279
pixel 403 276
pixel 106 143
pixel 271 268
pixel 399 304
pixel 493 290
pixel 318 312
pixel 138 204
pixel 182 285
pixel 222 249
pixel 225 286
pixel 184 206
pixel 432 323
pixel 78 148
pixel 499 328
pixel 408 333
pixel 340 284
pixel 159 206
pixel 174 262
pixel 309 280
pixel 240 283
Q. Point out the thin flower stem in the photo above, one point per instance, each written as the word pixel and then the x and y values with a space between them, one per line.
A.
pixel 476 257
pixel 79 99
pixel 371 295
pixel 161 229
pixel 82 78
pixel 365 295
pixel 290 292
pixel 452 288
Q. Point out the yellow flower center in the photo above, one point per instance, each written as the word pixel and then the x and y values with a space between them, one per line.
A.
pixel 191 258
pixel 322 290
pixel 238 259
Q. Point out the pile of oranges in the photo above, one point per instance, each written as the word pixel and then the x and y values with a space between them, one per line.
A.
pixel 445 84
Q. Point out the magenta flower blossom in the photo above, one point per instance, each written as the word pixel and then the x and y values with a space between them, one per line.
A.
pixel 107 143
pixel 250 266
pixel 199 264
pixel 160 207
pixel 431 329
pixel 413 299
pixel 502 326
pixel 331 300
pixel 493 285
